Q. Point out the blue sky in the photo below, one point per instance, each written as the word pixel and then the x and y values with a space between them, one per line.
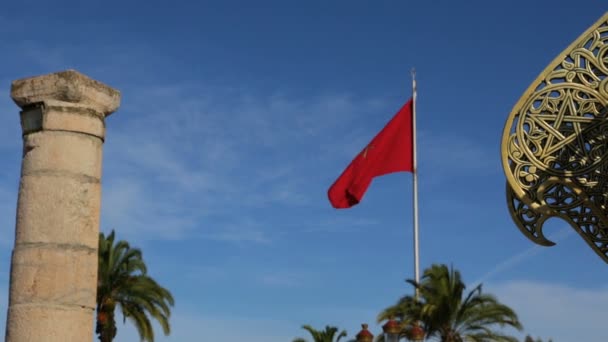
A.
pixel 238 115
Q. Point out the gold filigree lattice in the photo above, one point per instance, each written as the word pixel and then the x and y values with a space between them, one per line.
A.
pixel 555 144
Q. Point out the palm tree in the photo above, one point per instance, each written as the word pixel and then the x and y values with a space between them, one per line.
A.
pixel 447 316
pixel 122 281
pixel 326 335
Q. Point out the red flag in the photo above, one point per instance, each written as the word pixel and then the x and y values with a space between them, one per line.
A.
pixel 392 150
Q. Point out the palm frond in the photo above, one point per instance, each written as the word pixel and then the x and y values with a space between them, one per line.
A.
pixel 445 310
pixel 123 282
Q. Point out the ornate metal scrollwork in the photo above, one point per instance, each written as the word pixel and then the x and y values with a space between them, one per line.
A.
pixel 555 144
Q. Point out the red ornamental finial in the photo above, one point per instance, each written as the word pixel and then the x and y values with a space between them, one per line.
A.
pixel 391 327
pixel 364 335
pixel 417 333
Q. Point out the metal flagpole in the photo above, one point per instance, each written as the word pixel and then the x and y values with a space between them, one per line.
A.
pixel 415 181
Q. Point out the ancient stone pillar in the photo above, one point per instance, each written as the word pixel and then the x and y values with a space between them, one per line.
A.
pixel 54 262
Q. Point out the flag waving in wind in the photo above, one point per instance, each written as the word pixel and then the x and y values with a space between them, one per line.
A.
pixel 391 150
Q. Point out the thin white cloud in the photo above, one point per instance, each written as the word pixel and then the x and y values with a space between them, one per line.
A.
pixel 187 326
pixel 557 311
pixel 182 153
pixel 334 225
pixel 132 209
pixel 3 304
pixel 51 58
pixel 197 274
pixel 192 327
pixel 518 258
pixel 284 279
pixel 8 207
pixel 453 155
pixel 237 235
pixel 10 129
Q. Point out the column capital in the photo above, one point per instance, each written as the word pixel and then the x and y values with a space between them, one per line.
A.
pixel 66 87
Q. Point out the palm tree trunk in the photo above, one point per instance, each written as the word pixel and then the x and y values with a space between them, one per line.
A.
pixel 106 326
pixel 450 336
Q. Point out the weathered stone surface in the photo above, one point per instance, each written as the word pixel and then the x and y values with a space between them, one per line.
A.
pixel 61 275
pixel 58 209
pixel 54 262
pixel 47 323
pixel 65 118
pixel 58 151
pixel 66 86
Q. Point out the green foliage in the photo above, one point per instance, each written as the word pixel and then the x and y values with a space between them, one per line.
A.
pixel 326 335
pixel 122 281
pixel 447 315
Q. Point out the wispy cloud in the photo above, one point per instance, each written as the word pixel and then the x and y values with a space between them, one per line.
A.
pixel 8 205
pixel 336 225
pixel 193 327
pixel 187 326
pixel 524 255
pixel 51 58
pixel 10 129
pixel 446 156
pixel 557 311
pixel 284 279
pixel 180 154
pixel 200 274
pixel 3 303
pixel 244 232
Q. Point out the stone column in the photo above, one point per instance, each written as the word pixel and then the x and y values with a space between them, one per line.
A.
pixel 54 263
